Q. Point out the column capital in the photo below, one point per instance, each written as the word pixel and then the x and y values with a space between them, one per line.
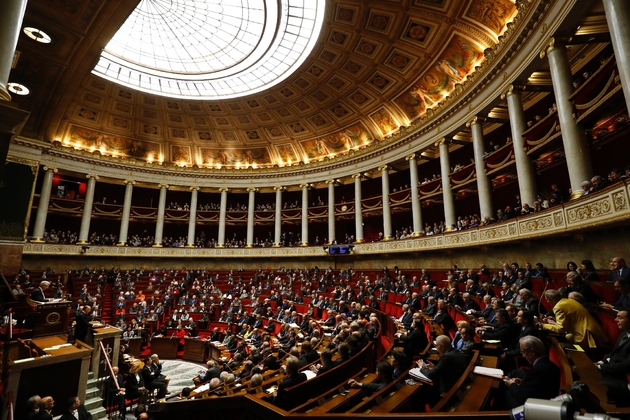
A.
pixel 355 176
pixel 512 89
pixel 553 44
pixel 252 189
pixel 194 188
pixel 281 188
pixel 412 156
pixel 443 140
pixel 51 169
pixel 129 181
pixel 331 181
pixel 94 177
pixel 163 186
pixel 303 186
pixel 475 120
pixel 383 168
pixel 224 189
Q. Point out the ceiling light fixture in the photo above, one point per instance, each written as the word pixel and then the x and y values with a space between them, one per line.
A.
pixel 18 89
pixel 37 35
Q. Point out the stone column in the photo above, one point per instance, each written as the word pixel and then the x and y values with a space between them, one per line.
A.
pixel 416 209
pixel 42 207
pixel 250 217
pixel 387 214
pixel 278 224
pixel 524 166
pixel 358 212
pixel 159 226
pixel 305 188
pixel 222 217
pixel 332 232
pixel 192 217
pixel 86 218
pixel 618 17
pixel 10 26
pixel 573 137
pixel 484 187
pixel 124 224
pixel 447 194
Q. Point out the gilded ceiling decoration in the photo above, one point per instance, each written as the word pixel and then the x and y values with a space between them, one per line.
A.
pixel 377 66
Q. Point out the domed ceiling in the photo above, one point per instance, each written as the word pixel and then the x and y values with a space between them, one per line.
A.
pixel 377 66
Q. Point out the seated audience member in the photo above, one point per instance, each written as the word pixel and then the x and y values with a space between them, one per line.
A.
pixel 444 374
pixel 618 269
pixel 487 311
pixel 443 318
pixel 587 271
pixel 577 284
pixel 213 371
pixel 527 301
pixel 469 303
pixel 293 377
pixel 431 307
pixel 256 381
pixel 399 362
pixel 622 286
pixel 541 271
pixel 135 382
pixel 32 407
pixel 75 411
pixel 114 392
pixel 344 353
pixel 468 339
pixel 616 366
pixel 572 319
pixel 151 380
pixel 326 362
pixel 542 380
pixel 416 340
pixel 505 331
pixel 384 373
pixel 45 407
pixel 457 341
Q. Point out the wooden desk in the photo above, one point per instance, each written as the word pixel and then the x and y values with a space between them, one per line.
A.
pixel 196 350
pixel 135 346
pixel 586 372
pixel 110 337
pixel 215 350
pixel 165 347
pixel 477 396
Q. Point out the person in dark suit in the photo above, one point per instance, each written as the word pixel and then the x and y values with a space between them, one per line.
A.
pixel 114 392
pixel 32 407
pixel 431 307
pixel 309 353
pixel 293 378
pixel 326 362
pixel 82 323
pixel 542 380
pixel 213 371
pixel 45 405
pixel 469 303
pixel 443 318
pixel 75 411
pixel 468 339
pixel 135 382
pixel 416 340
pixel 384 372
pixel 506 330
pixel 618 269
pixel 38 293
pixel 616 366
pixel 622 286
pixel 525 320
pixel 449 368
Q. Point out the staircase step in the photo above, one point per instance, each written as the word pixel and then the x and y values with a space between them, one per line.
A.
pixel 99 413
pixel 92 393
pixel 93 403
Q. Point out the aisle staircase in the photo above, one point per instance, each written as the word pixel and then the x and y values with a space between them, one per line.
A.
pixel 108 304
pixel 93 402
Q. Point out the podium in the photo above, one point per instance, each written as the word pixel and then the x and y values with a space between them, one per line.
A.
pixel 110 337
pixel 195 350
pixel 165 347
pixel 51 318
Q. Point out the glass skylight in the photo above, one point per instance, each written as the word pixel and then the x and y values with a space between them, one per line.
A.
pixel 211 49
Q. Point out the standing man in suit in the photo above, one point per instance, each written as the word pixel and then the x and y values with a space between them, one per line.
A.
pixel 75 411
pixel 616 366
pixel 449 368
pixel 542 380
pixel 618 269
pixel 38 293
pixel 83 323
pixel 293 378
pixel 573 320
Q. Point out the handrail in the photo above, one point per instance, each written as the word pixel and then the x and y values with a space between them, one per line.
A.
pixel 109 365
pixel 10 405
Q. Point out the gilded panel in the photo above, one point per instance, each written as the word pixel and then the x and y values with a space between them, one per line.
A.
pixel 590 210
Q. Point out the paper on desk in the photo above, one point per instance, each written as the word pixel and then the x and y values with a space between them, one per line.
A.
pixel 415 373
pixel 492 341
pixel 486 371
pixel 309 374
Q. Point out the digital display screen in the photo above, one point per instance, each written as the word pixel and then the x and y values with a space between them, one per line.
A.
pixel 339 250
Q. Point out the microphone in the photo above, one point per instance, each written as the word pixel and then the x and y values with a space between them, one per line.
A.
pixel 172 335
